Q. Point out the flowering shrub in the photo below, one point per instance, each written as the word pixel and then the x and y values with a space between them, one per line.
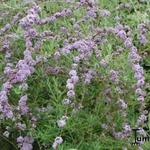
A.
pixel 73 75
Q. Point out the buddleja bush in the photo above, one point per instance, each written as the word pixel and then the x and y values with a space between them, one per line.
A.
pixel 61 85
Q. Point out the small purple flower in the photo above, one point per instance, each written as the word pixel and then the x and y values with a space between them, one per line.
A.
pixel 28 139
pixel 91 13
pixel 73 73
pixel 104 13
pixel 143 39
pixel 118 27
pixel 122 104
pixel 5 45
pixel 139 92
pixel 20 139
pixel 74 79
pixel 128 43
pixel 114 76
pixel 22 104
pixel 122 34
pixel 142 118
pixel 62 122
pixel 66 101
pixel 74 66
pixel 32 32
pixel 52 19
pixel 63 29
pixel 127 128
pixel 70 93
pixel 26 146
pixel 70 86
pixel 76 59
pixel 21 126
pixel 5 28
pixel 58 141
pixel 140 98
pixel 7 86
pixel 103 63
pixel 140 83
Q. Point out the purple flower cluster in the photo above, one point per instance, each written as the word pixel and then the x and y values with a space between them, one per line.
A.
pixel 5 46
pixel 25 143
pixel 122 104
pixel 125 133
pixel 84 47
pixel 9 25
pixel 140 80
pixel 19 125
pixel 31 18
pixel 88 76
pixel 63 13
pixel 105 13
pixel 71 83
pixel 62 122
pixel 23 72
pixel 5 108
pixel 114 76
pixel 134 60
pixel 58 140
pixel 141 120
pixel 91 13
pixel 142 33
pixel 104 63
pixel 22 105
pixel 5 28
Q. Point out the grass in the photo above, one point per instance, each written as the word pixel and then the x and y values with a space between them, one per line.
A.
pixel 83 131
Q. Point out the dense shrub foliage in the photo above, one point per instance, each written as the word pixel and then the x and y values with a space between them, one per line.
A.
pixel 74 74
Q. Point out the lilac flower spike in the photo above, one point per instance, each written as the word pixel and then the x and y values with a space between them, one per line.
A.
pixel 22 105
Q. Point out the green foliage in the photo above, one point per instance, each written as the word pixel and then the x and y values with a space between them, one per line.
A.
pixel 83 131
